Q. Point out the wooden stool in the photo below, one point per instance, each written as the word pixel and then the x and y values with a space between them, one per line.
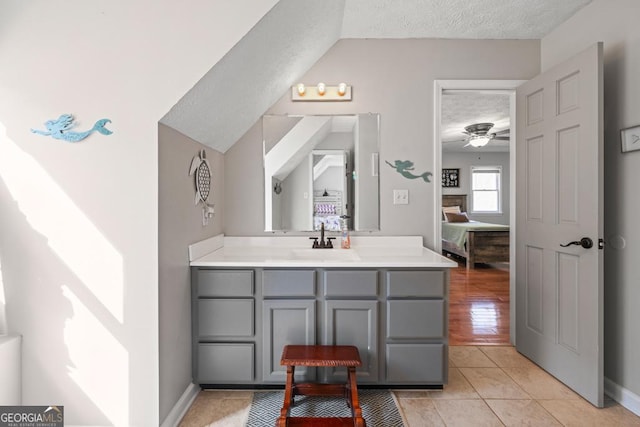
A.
pixel 324 356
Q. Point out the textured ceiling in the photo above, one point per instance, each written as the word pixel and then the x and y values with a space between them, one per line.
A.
pixel 281 47
pixel 463 108
pixel 256 72
pixel 460 19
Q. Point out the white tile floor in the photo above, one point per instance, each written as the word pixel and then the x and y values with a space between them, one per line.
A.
pixel 488 386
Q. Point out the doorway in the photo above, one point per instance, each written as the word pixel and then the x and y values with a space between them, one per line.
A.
pixel 482 113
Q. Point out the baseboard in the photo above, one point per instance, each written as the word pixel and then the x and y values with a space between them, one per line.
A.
pixel 181 406
pixel 624 397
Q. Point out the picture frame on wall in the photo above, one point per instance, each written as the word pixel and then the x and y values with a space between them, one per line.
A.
pixel 630 139
pixel 450 178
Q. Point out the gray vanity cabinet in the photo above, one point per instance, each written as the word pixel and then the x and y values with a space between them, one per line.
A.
pixel 223 326
pixel 243 317
pixel 288 317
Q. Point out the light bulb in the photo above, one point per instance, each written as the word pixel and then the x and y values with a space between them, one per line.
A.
pixel 342 89
pixel 301 89
pixel 479 141
pixel 321 88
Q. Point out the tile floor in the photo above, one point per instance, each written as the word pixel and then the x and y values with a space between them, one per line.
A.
pixel 488 386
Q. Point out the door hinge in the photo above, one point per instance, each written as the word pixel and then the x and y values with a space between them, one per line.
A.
pixel 600 243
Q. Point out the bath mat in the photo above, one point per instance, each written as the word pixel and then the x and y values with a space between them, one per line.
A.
pixel 378 408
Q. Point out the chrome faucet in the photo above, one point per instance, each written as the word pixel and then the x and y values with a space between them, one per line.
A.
pixel 322 244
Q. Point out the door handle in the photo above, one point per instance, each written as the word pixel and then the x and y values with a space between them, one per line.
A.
pixel 585 242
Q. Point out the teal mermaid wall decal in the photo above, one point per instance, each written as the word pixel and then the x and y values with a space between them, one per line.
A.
pixel 61 129
pixel 403 168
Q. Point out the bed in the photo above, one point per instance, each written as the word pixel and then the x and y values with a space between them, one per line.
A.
pixel 327 209
pixel 476 242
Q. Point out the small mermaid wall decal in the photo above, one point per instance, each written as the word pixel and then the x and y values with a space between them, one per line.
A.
pixel 61 129
pixel 403 168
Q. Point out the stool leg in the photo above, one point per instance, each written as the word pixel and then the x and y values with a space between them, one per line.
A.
pixel 356 411
pixel 288 398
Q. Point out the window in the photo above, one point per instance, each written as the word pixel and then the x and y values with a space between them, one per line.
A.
pixel 485 189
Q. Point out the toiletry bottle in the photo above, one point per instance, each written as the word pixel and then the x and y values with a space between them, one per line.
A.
pixel 345 239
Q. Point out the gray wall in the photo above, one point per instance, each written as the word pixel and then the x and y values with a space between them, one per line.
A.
pixel 464 161
pixel 615 22
pixel 179 225
pixel 394 78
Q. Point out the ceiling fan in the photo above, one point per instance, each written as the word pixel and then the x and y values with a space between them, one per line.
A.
pixel 479 135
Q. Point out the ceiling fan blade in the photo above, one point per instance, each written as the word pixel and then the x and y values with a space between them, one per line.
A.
pixel 502 132
pixel 501 138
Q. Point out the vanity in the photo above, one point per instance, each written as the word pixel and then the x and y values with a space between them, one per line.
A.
pixel 251 296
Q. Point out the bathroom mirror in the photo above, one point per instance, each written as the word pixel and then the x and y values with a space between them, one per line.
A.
pixel 319 168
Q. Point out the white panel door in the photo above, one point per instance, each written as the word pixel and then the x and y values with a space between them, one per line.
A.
pixel 559 289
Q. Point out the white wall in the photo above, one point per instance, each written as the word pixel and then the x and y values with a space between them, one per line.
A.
pixel 464 161
pixel 394 78
pixel 179 225
pixel 79 222
pixel 297 211
pixel 615 22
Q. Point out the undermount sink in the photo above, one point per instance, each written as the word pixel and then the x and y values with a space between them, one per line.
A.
pixel 335 254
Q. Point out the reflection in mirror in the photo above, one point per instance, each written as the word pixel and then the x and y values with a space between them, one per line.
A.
pixel 329 175
pixel 321 169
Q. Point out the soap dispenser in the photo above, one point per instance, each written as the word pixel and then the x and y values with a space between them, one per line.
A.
pixel 345 242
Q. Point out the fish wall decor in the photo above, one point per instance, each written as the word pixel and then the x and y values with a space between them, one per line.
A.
pixel 61 129
pixel 403 167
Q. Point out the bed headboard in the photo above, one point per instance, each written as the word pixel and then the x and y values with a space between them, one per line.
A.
pixel 455 200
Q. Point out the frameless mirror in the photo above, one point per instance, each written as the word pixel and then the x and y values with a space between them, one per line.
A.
pixel 321 170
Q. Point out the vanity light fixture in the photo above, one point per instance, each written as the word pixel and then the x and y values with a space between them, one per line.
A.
pixel 321 92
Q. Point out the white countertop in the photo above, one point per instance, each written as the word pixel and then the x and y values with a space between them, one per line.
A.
pixel 366 251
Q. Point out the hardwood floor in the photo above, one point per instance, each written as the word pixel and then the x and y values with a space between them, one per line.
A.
pixel 479 305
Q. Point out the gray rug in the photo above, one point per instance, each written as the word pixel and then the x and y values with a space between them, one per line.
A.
pixel 378 408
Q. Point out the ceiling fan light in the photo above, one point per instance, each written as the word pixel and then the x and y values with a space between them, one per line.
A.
pixel 479 141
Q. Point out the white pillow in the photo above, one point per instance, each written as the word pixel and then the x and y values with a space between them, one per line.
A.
pixel 452 209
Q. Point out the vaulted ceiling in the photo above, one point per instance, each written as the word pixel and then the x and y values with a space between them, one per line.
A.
pixel 260 68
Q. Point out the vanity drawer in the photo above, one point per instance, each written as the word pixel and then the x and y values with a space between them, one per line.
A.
pixel 226 317
pixel 225 283
pixel 346 284
pixel 288 283
pixel 225 362
pixel 421 284
pixel 415 363
pixel 419 319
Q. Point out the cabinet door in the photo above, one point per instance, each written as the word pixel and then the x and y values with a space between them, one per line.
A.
pixel 286 322
pixel 353 323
